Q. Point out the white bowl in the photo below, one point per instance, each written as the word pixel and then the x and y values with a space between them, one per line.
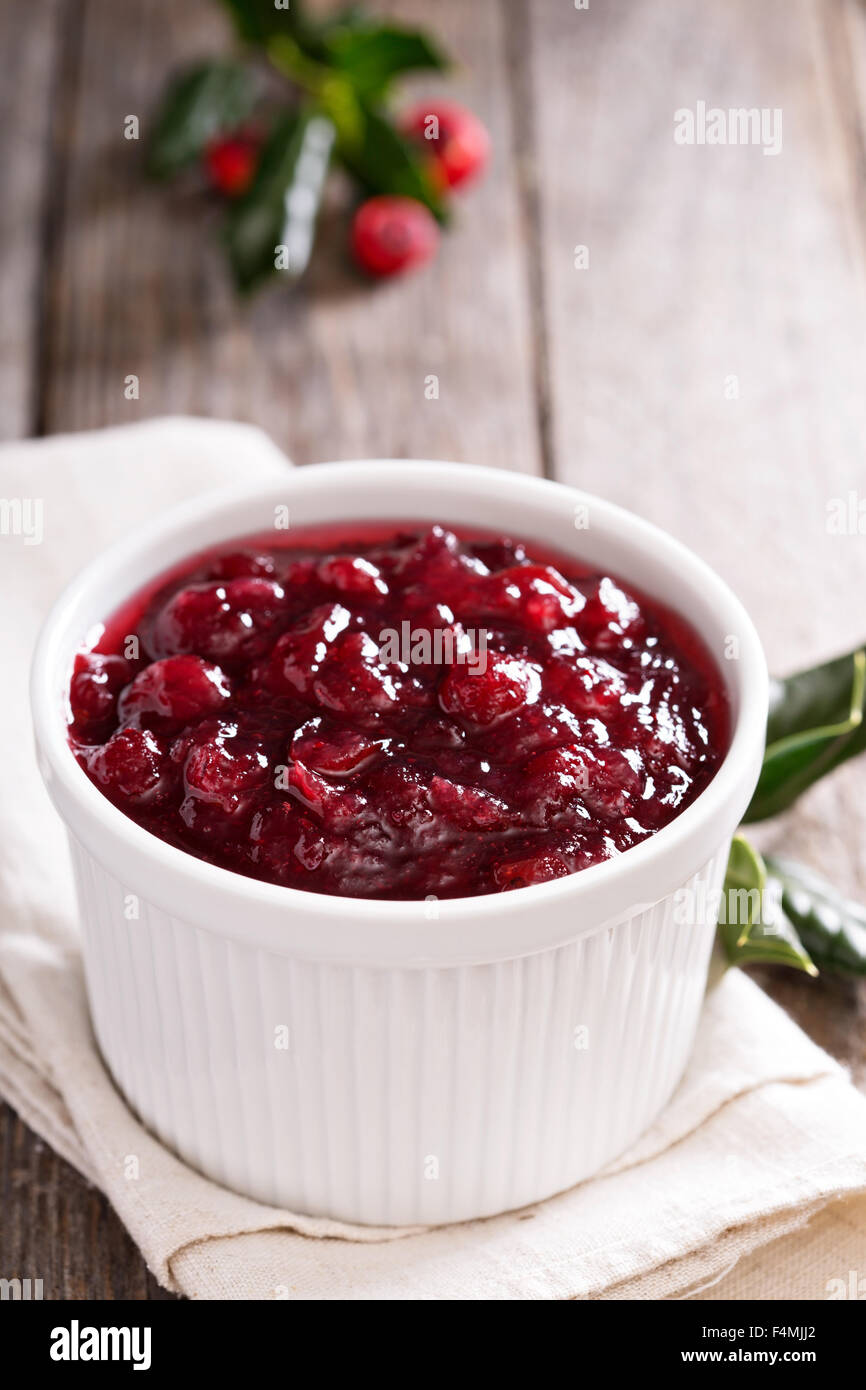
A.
pixel 444 1061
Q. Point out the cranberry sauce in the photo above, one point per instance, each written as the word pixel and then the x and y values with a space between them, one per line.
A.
pixel 396 714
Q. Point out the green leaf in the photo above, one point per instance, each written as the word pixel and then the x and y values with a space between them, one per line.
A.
pixel 271 229
pixel 752 924
pixel 256 21
pixel 198 105
pixel 332 92
pixel 259 22
pixel 384 162
pixel 831 928
pixel 816 722
pixel 372 56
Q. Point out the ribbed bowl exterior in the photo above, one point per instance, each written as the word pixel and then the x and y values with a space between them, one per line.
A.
pixel 355 1060
pixel 394 1096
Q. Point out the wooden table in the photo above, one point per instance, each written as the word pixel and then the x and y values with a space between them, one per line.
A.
pixel 706 368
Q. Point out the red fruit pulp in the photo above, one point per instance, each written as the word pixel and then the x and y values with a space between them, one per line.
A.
pixel 397 711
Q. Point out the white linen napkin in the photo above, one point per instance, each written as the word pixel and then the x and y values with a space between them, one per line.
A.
pixel 764 1141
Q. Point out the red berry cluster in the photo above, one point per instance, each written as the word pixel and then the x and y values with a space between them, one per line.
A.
pixel 265 726
pixel 390 234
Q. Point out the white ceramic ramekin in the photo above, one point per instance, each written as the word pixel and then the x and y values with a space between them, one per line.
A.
pixel 392 1062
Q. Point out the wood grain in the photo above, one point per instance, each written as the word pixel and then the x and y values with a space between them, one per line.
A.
pixel 30 45
pixel 709 263
pixel 331 369
pixel 57 1228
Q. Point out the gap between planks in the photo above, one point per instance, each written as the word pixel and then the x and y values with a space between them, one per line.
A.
pixel 518 65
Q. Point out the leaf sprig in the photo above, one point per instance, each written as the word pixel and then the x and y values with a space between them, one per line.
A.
pixel 334 77
pixel 816 721
pixel 773 909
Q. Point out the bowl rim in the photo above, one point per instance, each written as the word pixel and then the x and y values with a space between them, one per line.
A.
pixel 399 930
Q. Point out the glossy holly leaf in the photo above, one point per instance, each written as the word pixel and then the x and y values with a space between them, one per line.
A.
pixel 753 925
pixel 272 228
pixel 384 162
pixel 373 55
pixel 831 928
pixel 817 720
pixel 256 21
pixel 200 104
pixel 260 22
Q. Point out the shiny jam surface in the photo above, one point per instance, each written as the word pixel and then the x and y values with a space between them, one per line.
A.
pixel 397 712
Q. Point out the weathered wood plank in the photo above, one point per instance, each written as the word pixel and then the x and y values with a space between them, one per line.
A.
pixel 707 368
pixel 129 262
pixel 29 40
pixel 59 1229
pixel 334 369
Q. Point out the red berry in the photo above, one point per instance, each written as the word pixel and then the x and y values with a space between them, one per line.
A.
pixel 241 564
pixel 130 765
pixel 603 780
pixel 482 696
pixel 333 807
pixel 610 615
pixel 285 844
pixel 298 654
pixel 587 685
pixel 231 163
pixel 334 751
pixel 437 567
pixel 391 234
pixel 178 687
pixel 537 868
pixel 219 621
pixel 468 808
pixel 353 680
pixel 402 799
pixel 536 595
pixel 458 141
pixel 94 686
pixel 351 574
pixel 223 769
